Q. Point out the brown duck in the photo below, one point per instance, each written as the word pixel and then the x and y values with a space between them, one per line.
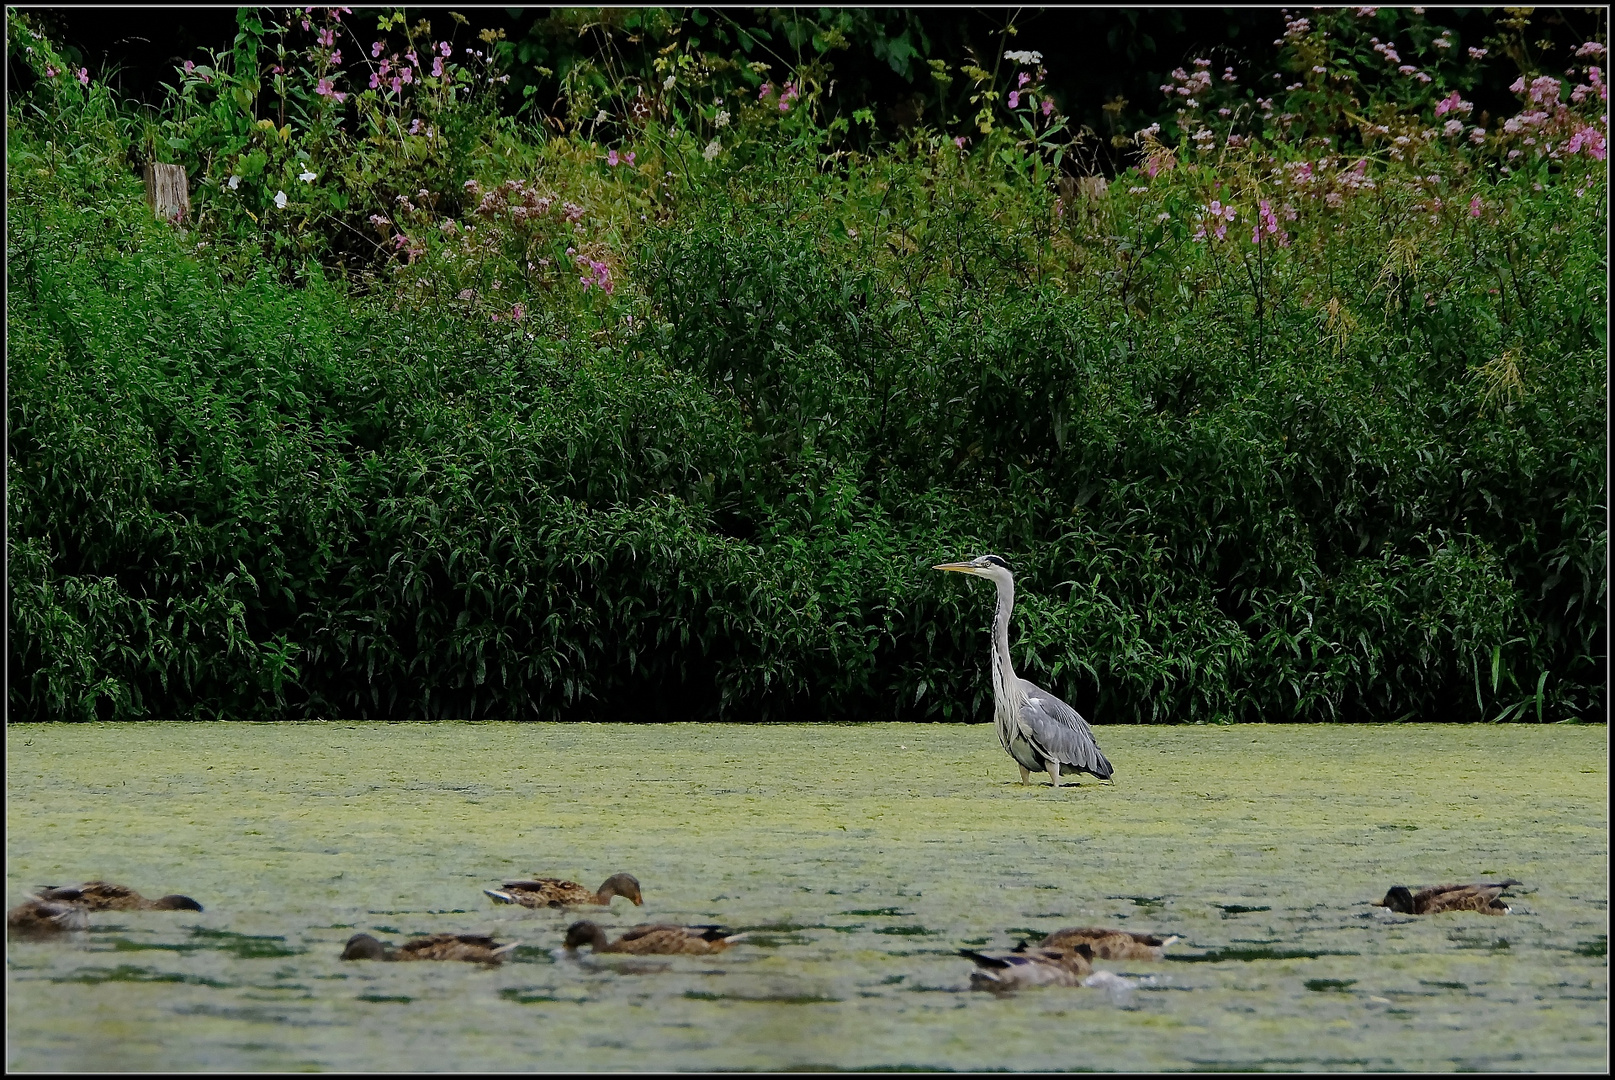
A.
pixel 105 896
pixel 473 948
pixel 1028 967
pixel 1481 897
pixel 35 917
pixel 553 892
pixel 1110 944
pixel 664 939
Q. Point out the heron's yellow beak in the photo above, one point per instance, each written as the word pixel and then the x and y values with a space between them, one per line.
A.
pixel 958 567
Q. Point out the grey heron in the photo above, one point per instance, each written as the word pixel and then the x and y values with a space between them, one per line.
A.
pixel 1037 729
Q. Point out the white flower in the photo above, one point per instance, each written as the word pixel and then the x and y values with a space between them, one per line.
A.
pixel 306 176
pixel 280 200
pixel 235 182
pixel 1027 58
pixel 600 117
pixel 722 119
pixel 712 150
pixel 667 83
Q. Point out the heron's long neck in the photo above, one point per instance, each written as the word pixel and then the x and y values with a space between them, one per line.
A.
pixel 1006 689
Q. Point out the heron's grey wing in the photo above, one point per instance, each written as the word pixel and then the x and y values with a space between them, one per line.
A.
pixel 1059 732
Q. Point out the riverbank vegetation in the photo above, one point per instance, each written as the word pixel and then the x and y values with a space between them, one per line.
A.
pixel 660 403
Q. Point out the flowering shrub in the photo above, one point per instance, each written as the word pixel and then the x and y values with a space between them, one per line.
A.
pixel 653 407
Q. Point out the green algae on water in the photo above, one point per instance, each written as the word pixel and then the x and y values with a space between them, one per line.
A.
pixel 859 877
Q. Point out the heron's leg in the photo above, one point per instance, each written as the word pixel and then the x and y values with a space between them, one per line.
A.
pixel 1054 771
pixel 1026 774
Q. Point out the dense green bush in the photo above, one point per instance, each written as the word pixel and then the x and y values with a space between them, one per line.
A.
pixel 1350 466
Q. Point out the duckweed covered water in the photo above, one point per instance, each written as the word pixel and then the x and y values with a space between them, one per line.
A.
pixel 861 857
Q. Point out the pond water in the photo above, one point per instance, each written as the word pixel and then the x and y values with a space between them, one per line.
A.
pixel 862 857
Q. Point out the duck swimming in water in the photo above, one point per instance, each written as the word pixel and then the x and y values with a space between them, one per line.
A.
pixel 1111 944
pixel 1481 897
pixel 35 917
pixel 1030 967
pixel 553 892
pixel 105 896
pixel 661 939
pixel 473 948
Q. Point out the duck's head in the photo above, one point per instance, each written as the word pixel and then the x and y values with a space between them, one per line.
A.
pixel 1399 899
pixel 624 885
pixel 364 947
pixel 176 902
pixel 583 932
pixel 991 567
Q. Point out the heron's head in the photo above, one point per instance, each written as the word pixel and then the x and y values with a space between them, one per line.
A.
pixel 987 566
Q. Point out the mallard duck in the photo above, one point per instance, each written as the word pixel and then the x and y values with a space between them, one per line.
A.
pixel 35 917
pixel 1030 967
pixel 1481 897
pixel 1110 944
pixel 475 948
pixel 105 896
pixel 663 939
pixel 553 892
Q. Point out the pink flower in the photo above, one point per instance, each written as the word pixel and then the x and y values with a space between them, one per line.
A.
pixel 325 88
pixel 397 84
pixel 959 141
pixel 336 56
pixel 437 67
pixel 1453 127
pixel 375 49
pixel 1048 106
pixel 410 56
pixel 84 76
pixel 1476 54
pixel 1024 79
pixel 444 49
pixel 1517 86
pixel 1591 48
pixel 611 158
pixel 1474 206
pixel 1407 69
pixel 518 313
pixel 327 36
pixel 190 68
pixel 630 157
pixel 1014 99
pixel 1453 103
pixel 408 75
pixel 415 126
pixel 763 90
pixel 386 66
pixel 1477 136
pixel 51 72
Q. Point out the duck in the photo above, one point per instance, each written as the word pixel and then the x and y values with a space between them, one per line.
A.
pixel 473 948
pixel 35 917
pixel 664 939
pixel 1111 944
pixel 553 892
pixel 1481 897
pixel 1037 966
pixel 105 896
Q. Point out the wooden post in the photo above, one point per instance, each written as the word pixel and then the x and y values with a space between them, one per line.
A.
pixel 167 192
